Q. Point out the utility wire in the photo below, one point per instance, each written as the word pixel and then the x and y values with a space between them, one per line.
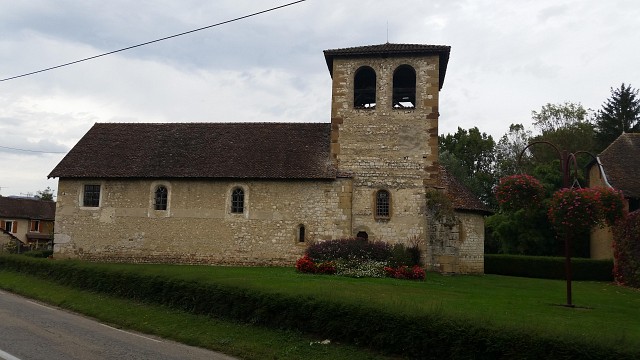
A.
pixel 154 41
pixel 34 151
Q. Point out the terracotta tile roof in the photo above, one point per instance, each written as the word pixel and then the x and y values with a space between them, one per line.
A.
pixel 388 49
pixel 621 164
pixel 463 199
pixel 201 150
pixel 21 208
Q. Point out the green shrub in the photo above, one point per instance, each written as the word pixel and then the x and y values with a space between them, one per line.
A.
pixel 38 253
pixel 349 249
pixel 546 267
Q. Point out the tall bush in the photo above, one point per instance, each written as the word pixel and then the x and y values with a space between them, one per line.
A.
pixel 626 250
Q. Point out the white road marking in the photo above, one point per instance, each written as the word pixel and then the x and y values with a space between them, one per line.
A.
pixel 44 306
pixel 111 327
pixel 7 356
pixel 130 333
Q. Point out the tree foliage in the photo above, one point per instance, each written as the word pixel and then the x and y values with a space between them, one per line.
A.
pixel 46 194
pixel 470 156
pixel 569 126
pixel 508 150
pixel 619 113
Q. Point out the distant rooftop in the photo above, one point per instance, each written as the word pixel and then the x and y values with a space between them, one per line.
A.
pixel 26 208
pixel 621 164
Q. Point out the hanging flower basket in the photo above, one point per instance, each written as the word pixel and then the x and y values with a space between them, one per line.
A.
pixel 518 191
pixel 573 210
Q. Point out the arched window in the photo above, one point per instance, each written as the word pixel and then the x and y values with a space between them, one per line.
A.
pixel 364 88
pixel 237 201
pixel 404 87
pixel 383 202
pixel 160 200
pixel 301 233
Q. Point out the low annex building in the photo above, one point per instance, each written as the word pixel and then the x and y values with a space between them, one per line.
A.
pixel 259 193
pixel 620 166
pixel 26 221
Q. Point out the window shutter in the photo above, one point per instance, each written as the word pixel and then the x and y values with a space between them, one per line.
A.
pixel 15 227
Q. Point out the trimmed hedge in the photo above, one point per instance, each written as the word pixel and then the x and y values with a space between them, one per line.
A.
pixel 419 337
pixel 545 267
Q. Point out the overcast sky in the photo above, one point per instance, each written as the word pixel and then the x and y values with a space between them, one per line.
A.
pixel 507 59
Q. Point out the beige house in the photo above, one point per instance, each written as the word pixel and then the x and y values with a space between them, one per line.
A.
pixel 620 165
pixel 28 221
pixel 259 193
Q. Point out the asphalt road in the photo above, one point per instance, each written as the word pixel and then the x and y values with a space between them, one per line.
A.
pixel 32 331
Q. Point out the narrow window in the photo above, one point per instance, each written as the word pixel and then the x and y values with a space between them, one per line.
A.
pixel 404 87
pixel 382 204
pixel 364 88
pixel 91 196
pixel 237 201
pixel 301 233
pixel 8 226
pixel 35 225
pixel 161 198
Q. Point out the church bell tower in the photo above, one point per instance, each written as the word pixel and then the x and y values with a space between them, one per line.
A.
pixel 384 133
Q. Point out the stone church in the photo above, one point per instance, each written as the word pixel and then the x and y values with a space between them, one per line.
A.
pixel 260 193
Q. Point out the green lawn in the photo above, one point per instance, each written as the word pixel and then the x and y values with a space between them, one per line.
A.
pixel 604 313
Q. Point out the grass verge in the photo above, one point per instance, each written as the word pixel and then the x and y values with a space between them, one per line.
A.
pixel 241 340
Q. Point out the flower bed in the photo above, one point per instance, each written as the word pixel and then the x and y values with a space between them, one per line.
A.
pixel 358 258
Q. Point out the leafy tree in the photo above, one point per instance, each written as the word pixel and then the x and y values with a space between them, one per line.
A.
pixel 569 126
pixel 469 156
pixel 508 150
pixel 619 113
pixel 46 194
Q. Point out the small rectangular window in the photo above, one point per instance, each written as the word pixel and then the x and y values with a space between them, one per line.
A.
pixel 35 225
pixel 91 196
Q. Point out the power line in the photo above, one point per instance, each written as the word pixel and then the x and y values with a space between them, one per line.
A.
pixel 34 151
pixel 154 41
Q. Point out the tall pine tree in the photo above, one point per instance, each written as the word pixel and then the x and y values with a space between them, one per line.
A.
pixel 620 113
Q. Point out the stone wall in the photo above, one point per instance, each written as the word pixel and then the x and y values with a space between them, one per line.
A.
pixel 198 226
pixel 455 245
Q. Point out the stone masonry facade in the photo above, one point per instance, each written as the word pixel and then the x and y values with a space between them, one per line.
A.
pixel 198 226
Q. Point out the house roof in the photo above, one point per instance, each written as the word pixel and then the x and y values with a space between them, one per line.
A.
pixel 462 198
pixel 621 164
pixel 391 50
pixel 26 208
pixel 201 150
